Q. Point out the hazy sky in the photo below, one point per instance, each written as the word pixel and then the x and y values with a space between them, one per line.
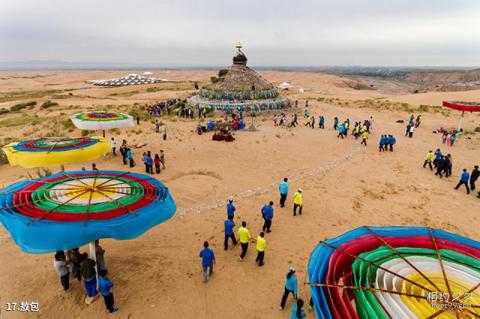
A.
pixel 274 33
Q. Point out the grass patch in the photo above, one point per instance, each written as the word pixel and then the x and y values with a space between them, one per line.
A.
pixel 20 121
pixel 23 95
pixel 124 94
pixel 3 111
pixel 48 104
pixel 21 106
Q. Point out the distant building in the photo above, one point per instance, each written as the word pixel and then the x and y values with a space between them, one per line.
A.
pixel 131 79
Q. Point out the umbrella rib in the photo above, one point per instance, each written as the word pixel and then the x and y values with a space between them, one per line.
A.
pixel 56 207
pixel 89 203
pixel 113 177
pixel 33 201
pixel 118 203
pixel 76 179
pixel 370 281
pixel 51 148
pixel 440 261
pixel 396 252
pixel 140 196
pixel 373 263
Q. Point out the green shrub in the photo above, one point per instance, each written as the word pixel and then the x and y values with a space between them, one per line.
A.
pixel 48 104
pixel 67 124
pixel 21 106
pixel 3 111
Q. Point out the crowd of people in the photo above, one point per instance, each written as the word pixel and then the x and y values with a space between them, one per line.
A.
pixel 91 272
pixel 157 160
pixel 442 164
pixel 207 254
pixel 164 107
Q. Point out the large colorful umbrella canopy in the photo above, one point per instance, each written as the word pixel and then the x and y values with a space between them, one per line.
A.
pixel 396 272
pixel 55 151
pixel 93 121
pixel 462 106
pixel 70 209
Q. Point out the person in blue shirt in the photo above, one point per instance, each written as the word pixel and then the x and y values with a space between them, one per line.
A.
pixel 297 311
pixel 335 123
pixel 291 287
pixel 283 189
pixel 105 285
pixel 438 155
pixel 208 259
pixel 267 214
pixel 229 225
pixel 321 122
pixel 464 178
pixel 381 145
pixel 230 208
pixel 341 131
pixel 391 141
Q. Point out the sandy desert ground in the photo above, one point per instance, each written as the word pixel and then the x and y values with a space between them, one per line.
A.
pixel 159 275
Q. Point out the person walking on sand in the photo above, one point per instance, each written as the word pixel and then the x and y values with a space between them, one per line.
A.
pixel 157 126
pixel 297 311
pixel 438 155
pixel 464 180
pixel 364 138
pixel 321 122
pixel 267 214
pixel 429 160
pixel 229 225
pixel 137 115
pixel 283 189
pixel 208 259
pixel 297 202
pixel 113 144
pixel 162 158
pixel 230 208
pixel 244 236
pixel 157 163
pixel 61 267
pixel 291 287
pixel 164 132
pixel 105 286
pixel 447 165
pixel 473 177
pixel 261 245
pixel 411 130
pixel 391 141
pixel 335 123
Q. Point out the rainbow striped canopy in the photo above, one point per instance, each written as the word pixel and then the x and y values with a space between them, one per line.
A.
pixel 93 121
pixel 70 209
pixel 396 272
pixel 55 151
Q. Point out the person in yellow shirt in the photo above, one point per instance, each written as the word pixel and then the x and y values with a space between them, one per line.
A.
pixel 261 245
pixel 364 138
pixel 244 236
pixel 297 202
pixel 429 160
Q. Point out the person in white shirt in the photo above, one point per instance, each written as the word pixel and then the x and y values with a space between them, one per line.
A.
pixel 61 267
pixel 114 146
